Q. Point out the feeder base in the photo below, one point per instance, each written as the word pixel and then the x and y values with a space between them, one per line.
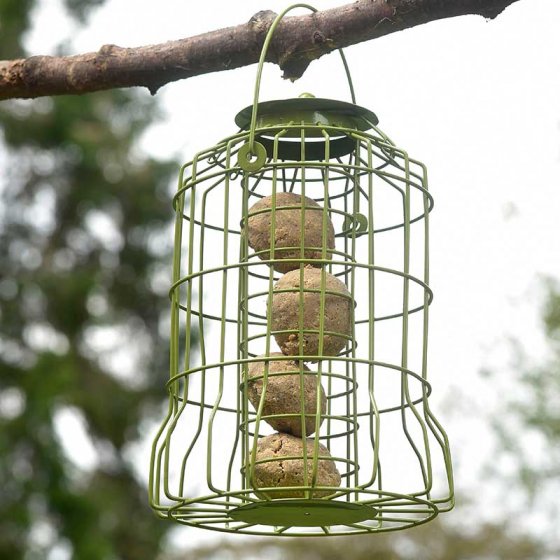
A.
pixel 303 513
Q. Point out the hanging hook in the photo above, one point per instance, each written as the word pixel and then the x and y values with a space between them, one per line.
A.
pixel 253 157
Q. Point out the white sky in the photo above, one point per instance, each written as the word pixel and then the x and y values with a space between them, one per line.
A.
pixel 477 101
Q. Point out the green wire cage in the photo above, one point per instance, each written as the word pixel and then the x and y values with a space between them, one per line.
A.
pixel 301 263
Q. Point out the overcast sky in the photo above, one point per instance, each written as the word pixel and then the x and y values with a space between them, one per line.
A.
pixel 477 101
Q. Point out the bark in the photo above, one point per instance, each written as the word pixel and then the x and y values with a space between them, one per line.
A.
pixel 298 41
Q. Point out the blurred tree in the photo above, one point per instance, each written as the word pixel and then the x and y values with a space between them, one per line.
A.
pixel 528 424
pixel 84 253
pixel 433 541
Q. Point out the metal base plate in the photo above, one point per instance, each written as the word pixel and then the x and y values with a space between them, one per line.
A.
pixel 303 513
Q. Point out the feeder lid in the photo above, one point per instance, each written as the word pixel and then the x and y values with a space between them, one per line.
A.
pixel 308 110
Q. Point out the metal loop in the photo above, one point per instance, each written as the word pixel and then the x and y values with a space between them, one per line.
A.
pixel 355 225
pixel 251 158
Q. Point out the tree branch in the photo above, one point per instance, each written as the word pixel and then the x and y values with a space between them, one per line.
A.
pixel 298 41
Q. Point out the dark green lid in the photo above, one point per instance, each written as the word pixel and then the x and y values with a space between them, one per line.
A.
pixel 308 110
pixel 334 115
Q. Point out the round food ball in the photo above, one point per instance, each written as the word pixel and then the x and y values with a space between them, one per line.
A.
pixel 287 230
pixel 285 313
pixel 283 394
pixel 290 472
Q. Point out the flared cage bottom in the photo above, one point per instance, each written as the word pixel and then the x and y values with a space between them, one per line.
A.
pixel 376 512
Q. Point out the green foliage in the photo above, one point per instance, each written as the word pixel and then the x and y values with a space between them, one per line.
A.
pixel 14 21
pixel 551 315
pixel 81 8
pixel 538 409
pixel 84 260
pixel 526 422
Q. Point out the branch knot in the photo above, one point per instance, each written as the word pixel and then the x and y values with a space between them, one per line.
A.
pixel 318 38
pixel 262 21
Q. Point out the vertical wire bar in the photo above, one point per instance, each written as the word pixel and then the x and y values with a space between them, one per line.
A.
pixel 302 166
pixel 189 272
pixel 188 307
pixel 373 410
pixel 223 333
pixel 350 371
pixel 244 344
pixel 202 340
pixel 348 223
pixel 175 295
pixel 202 344
pixel 425 312
pixel 322 302
pixel 406 270
pixel 272 253
pixel 353 343
pixel 241 401
pixel 155 464
pixel 192 216
pixel 201 293
pixel 251 471
pixel 326 172
pixel 351 382
pixel 443 441
pixel 405 394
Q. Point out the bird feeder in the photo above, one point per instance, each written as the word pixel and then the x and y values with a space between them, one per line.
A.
pixel 298 388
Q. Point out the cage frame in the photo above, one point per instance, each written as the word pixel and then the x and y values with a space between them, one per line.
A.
pixel 248 509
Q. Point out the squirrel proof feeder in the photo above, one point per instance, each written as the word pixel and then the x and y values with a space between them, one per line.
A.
pixel 298 390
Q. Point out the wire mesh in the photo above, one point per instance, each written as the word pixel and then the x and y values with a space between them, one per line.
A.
pixel 362 407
